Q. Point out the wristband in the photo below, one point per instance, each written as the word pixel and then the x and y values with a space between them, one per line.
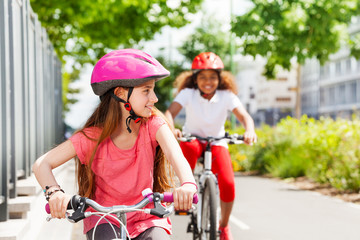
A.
pixel 48 194
pixel 48 187
pixel 190 183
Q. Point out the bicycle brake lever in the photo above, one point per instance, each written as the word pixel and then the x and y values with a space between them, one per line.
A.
pixel 170 211
pixel 79 213
pixel 159 210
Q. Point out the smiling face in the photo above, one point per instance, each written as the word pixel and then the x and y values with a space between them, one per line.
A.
pixel 143 99
pixel 207 81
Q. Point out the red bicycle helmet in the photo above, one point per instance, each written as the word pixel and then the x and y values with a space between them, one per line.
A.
pixel 207 60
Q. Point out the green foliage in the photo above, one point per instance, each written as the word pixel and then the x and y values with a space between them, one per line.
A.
pixel 355 45
pixel 84 30
pixel 87 29
pixel 68 94
pixel 164 88
pixel 208 37
pixel 281 30
pixel 324 150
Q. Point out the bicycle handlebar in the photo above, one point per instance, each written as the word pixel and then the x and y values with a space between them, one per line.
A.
pixel 231 139
pixel 80 204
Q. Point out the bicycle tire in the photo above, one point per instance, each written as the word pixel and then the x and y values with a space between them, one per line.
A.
pixel 209 215
pixel 194 230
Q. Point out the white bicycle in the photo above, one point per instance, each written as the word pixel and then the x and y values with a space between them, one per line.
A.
pixel 205 219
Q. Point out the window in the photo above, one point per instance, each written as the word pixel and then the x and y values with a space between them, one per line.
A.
pixel 251 94
pixel 322 97
pixel 353 95
pixel 342 94
pixel 338 68
pixel 348 65
pixel 331 95
pixel 322 72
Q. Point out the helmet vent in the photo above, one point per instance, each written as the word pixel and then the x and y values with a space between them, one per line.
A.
pixel 145 60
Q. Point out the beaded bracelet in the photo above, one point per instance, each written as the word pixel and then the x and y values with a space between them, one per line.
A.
pixel 48 194
pixel 48 187
pixel 190 183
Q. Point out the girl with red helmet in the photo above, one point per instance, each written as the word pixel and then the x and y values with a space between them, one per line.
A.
pixel 120 150
pixel 207 93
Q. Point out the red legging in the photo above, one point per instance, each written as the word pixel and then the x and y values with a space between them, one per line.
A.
pixel 221 166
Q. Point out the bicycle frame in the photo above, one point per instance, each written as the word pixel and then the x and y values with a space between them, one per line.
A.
pixel 203 175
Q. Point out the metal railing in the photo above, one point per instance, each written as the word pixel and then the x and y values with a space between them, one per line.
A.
pixel 30 96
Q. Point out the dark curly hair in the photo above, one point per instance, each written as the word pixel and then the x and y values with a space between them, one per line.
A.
pixel 187 80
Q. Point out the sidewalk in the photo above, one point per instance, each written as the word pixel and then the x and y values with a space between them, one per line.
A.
pixel 36 226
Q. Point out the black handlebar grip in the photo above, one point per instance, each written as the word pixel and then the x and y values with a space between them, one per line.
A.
pixel 73 203
pixel 241 137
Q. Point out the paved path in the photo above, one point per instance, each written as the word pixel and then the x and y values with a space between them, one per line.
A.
pixel 278 211
pixel 264 210
pixel 272 210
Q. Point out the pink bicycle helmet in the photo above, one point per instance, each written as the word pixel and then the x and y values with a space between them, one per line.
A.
pixel 207 60
pixel 125 68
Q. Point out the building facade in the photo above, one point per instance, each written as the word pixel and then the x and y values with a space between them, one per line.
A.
pixel 267 101
pixel 332 90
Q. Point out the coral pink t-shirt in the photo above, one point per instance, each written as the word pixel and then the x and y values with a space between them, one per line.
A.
pixel 121 175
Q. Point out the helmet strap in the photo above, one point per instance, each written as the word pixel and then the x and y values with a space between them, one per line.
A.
pixel 204 95
pixel 128 107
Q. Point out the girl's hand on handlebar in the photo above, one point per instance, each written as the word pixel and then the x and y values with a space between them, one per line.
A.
pixel 177 133
pixel 58 203
pixel 250 137
pixel 183 196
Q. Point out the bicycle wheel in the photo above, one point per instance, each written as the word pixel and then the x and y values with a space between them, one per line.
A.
pixel 192 227
pixel 209 211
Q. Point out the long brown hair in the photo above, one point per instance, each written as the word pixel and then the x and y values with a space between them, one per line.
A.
pixel 187 80
pixel 107 116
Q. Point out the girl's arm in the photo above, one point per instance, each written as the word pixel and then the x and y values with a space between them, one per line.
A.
pixel 182 196
pixel 244 117
pixel 42 169
pixel 170 114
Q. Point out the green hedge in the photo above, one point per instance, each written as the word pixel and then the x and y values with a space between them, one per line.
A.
pixel 324 150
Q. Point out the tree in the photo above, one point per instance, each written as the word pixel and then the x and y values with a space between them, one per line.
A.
pixel 208 37
pixel 355 45
pixel 284 30
pixel 85 30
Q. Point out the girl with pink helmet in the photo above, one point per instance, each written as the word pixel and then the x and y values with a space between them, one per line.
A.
pixel 125 147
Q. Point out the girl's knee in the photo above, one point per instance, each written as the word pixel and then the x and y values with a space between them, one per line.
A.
pixel 227 195
pixel 227 190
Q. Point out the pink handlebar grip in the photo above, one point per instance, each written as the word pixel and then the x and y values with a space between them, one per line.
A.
pixel 47 208
pixel 168 197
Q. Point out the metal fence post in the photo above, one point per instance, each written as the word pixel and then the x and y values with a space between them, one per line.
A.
pixel 4 74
